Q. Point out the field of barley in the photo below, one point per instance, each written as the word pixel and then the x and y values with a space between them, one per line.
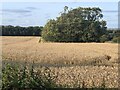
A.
pixel 71 63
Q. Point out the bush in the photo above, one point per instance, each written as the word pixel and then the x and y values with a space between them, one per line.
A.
pixel 15 78
pixel 116 40
pixel 103 38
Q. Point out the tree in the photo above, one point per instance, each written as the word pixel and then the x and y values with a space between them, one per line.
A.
pixel 76 25
pixel 103 38
pixel 65 9
pixel 116 39
pixel 21 31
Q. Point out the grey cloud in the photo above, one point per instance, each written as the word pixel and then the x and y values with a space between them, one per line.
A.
pixel 16 11
pixel 31 8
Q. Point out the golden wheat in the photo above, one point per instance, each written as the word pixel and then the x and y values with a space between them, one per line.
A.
pixel 100 59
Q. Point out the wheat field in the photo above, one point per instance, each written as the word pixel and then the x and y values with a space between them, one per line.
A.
pixel 70 62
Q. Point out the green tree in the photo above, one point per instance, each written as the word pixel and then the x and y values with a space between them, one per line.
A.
pixel 103 38
pixel 21 31
pixel 65 9
pixel 76 25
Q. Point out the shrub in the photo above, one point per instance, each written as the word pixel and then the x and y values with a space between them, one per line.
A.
pixel 103 38
pixel 15 78
pixel 116 40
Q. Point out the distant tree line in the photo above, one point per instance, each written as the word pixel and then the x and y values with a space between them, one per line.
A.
pixel 21 31
pixel 112 35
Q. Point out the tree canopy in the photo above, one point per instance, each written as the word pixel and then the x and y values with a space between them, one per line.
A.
pixel 76 25
pixel 21 31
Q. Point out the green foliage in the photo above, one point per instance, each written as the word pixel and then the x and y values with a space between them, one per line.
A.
pixel 21 31
pixel 76 25
pixel 112 33
pixel 116 40
pixel 15 78
pixel 103 38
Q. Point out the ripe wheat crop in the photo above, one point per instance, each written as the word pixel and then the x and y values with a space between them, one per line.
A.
pixel 72 63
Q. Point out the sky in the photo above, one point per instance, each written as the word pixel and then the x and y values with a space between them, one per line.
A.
pixel 38 13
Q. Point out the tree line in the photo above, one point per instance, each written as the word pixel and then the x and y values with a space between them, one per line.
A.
pixel 112 35
pixel 21 31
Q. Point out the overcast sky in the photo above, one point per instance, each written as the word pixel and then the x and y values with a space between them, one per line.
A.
pixel 38 13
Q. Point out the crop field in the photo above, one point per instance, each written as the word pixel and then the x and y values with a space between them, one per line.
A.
pixel 71 63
